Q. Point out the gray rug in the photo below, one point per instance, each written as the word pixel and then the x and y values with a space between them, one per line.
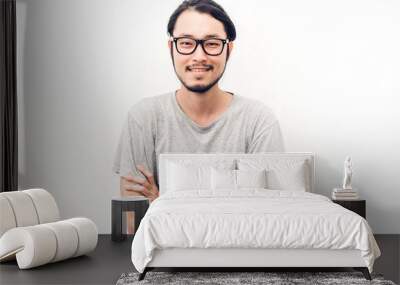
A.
pixel 269 278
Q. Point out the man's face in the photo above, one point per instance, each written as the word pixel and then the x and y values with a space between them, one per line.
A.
pixel 198 72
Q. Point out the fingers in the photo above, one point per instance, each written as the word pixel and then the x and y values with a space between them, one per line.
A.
pixel 131 193
pixel 145 193
pixel 132 189
pixel 146 173
pixel 134 179
pixel 154 197
pixel 137 180
pixel 144 187
pixel 148 193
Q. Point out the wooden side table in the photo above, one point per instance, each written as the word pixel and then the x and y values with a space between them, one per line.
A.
pixel 120 205
pixel 357 206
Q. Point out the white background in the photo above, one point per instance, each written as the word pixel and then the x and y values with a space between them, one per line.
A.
pixel 329 69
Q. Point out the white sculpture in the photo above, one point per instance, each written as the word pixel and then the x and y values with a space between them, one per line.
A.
pixel 348 172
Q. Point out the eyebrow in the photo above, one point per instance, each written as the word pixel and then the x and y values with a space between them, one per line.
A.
pixel 206 37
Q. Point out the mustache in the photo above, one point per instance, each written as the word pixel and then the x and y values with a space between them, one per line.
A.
pixel 208 67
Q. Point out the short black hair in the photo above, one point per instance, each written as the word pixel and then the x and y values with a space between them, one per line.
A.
pixel 204 6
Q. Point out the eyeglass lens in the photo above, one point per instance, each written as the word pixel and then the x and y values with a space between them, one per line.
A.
pixel 211 46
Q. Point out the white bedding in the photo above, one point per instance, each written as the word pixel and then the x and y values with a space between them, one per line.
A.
pixel 250 218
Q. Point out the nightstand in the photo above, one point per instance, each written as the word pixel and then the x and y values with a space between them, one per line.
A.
pixel 357 206
pixel 120 205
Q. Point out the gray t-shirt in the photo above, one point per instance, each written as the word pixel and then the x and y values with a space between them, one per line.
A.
pixel 158 125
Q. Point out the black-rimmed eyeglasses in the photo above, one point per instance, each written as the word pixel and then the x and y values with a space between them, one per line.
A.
pixel 186 45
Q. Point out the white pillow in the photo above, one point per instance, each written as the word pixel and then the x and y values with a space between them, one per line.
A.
pixel 293 179
pixel 223 179
pixel 187 177
pixel 251 178
pixel 227 179
pixel 282 174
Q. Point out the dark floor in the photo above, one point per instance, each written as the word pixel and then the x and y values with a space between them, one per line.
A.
pixel 111 259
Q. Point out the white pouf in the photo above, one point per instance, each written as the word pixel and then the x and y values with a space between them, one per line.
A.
pixel 31 232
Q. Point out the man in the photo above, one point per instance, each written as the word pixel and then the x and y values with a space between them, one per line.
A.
pixel 198 117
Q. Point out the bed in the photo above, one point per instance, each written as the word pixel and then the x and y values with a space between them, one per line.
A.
pixel 248 210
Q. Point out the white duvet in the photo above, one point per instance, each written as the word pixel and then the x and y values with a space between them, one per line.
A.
pixel 250 219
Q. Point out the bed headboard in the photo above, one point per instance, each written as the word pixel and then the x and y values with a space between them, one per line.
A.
pixel 232 159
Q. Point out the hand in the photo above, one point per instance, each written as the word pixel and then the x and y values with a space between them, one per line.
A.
pixel 145 187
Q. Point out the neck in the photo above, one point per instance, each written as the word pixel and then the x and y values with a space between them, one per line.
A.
pixel 205 104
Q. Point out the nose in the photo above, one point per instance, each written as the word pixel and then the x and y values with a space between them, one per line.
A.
pixel 199 54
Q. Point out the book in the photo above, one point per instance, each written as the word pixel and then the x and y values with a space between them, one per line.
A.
pixel 346 197
pixel 345 194
pixel 341 190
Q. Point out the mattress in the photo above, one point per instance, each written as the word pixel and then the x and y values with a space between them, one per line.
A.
pixel 250 219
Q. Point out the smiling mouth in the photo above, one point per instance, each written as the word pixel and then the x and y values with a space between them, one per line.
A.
pixel 199 70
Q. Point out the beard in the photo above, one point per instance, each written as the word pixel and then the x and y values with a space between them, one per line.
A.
pixel 199 88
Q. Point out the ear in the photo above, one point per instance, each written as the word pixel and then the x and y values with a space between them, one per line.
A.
pixel 171 51
pixel 230 47
pixel 229 50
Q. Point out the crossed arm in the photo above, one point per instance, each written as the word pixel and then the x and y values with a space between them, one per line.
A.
pixel 133 186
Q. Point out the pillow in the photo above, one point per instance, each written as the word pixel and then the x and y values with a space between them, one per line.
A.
pixel 293 178
pixel 223 179
pixel 282 174
pixel 187 177
pixel 251 178
pixel 227 179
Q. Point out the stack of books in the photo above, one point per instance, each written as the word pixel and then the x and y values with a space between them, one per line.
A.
pixel 344 194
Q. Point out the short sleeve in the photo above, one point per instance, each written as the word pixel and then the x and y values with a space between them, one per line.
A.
pixel 134 147
pixel 266 137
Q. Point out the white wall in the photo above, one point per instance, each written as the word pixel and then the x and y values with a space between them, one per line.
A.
pixel 329 69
